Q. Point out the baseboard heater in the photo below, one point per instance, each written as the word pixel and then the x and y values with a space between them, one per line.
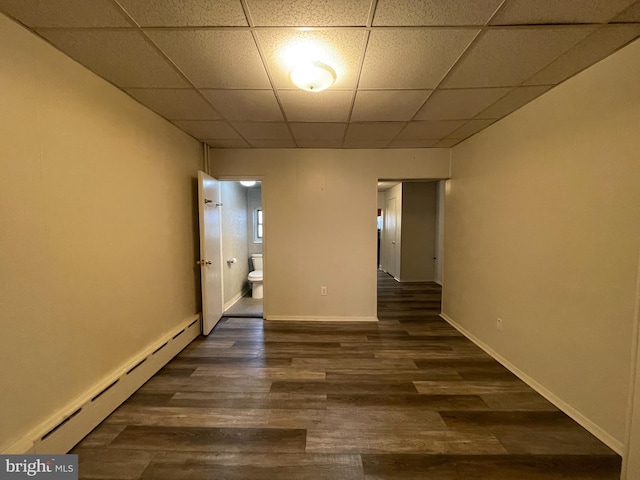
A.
pixel 63 431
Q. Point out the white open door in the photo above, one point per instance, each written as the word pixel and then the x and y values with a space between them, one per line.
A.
pixel 210 250
pixel 392 250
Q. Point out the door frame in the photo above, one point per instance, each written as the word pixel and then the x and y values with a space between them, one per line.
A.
pixel 263 180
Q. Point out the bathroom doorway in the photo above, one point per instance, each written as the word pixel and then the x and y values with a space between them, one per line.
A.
pixel 242 235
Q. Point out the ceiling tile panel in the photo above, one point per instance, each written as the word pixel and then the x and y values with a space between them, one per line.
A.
pixel 241 105
pixel 434 12
pixel 318 131
pixel 373 130
pixel 389 105
pixel 470 128
pixel 514 100
pixel 175 104
pixel 66 13
pixel 123 57
pixel 213 130
pixel 592 49
pixel 266 143
pixel 447 142
pixel 424 143
pixel 295 13
pixel 365 143
pixel 326 106
pixel 178 13
pixel 459 104
pixel 541 12
pixel 631 14
pixel 319 143
pixel 263 130
pixel 390 63
pixel 226 143
pixel 341 49
pixel 214 58
pixel 507 57
pixel 371 143
pixel 421 130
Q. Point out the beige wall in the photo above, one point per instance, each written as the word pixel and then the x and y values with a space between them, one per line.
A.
pixel 97 230
pixel 542 230
pixel 418 232
pixel 234 241
pixel 320 228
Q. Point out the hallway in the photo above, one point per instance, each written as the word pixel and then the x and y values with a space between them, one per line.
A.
pixel 405 398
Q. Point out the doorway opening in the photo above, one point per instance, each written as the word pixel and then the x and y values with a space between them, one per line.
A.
pixel 242 232
pixel 410 219
pixel 411 230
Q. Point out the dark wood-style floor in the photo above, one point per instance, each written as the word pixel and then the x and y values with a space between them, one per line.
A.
pixel 405 398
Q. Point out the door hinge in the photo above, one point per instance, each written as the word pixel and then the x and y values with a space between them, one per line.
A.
pixel 203 262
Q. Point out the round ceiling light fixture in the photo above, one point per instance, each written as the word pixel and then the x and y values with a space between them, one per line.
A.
pixel 312 76
pixel 247 183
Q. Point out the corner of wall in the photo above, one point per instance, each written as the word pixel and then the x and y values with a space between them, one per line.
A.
pixel 631 457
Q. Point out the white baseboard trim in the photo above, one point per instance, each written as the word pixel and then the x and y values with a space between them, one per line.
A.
pixel 235 300
pixel 613 443
pixel 64 429
pixel 291 318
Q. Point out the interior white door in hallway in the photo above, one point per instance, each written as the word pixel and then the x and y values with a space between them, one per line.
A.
pixel 210 262
pixel 390 238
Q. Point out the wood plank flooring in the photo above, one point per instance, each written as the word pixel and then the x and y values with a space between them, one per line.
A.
pixel 405 398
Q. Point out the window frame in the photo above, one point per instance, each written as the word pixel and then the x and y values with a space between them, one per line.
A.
pixel 258 225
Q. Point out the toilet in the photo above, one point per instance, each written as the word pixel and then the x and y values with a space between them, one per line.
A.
pixel 255 276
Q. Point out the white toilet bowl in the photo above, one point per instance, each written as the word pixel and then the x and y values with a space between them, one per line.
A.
pixel 255 276
pixel 255 280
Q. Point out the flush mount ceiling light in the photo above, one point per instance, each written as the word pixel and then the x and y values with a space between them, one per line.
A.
pixel 312 76
pixel 248 183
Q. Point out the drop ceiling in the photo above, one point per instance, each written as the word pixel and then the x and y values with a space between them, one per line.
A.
pixel 411 73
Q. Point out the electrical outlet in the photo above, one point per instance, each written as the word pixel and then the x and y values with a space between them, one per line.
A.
pixel 499 324
pixel 323 291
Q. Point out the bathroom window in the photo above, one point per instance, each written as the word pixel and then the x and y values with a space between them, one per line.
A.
pixel 258 229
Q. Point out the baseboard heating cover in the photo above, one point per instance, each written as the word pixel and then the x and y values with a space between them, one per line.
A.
pixel 67 427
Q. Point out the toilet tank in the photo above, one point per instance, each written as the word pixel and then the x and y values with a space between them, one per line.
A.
pixel 256 260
